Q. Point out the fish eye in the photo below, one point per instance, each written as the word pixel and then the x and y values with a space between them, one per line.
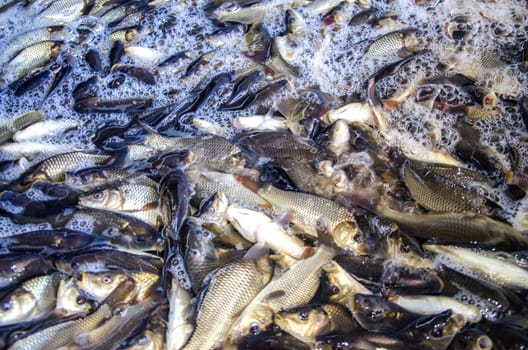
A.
pixel 6 306
pixel 334 289
pixel 143 340
pixel 437 332
pixel 97 195
pixel 254 328
pixel 404 248
pixel 75 265
pixel 302 316
pixel 80 300
pixel 84 178
pixel 107 279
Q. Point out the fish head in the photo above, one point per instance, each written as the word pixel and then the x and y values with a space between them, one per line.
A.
pixel 100 285
pixel 347 235
pixel 70 299
pixel 253 321
pixel 338 287
pixel 304 322
pixel 17 307
pixel 110 199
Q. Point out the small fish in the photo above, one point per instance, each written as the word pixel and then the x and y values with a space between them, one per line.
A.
pixel 54 168
pixel 377 314
pixel 432 304
pixel 30 58
pixel 259 228
pixel 401 41
pixel 96 105
pixel 31 301
pixel 491 269
pixel 70 300
pixel 308 322
pixel 180 326
pixel 132 194
pixel 8 128
pixel 343 286
pixel 63 333
pixel 21 267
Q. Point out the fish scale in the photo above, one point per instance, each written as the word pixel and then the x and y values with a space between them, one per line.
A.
pixel 230 289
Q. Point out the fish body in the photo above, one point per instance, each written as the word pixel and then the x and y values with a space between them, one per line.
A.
pixel 294 287
pixel 230 290
pixel 257 227
pixel 308 211
pixel 398 41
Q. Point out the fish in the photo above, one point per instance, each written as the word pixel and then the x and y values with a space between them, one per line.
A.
pixel 116 329
pixel 132 194
pixel 23 266
pixel 436 331
pixel 8 128
pixel 259 228
pixel 377 314
pixel 437 194
pixel 307 211
pixel 30 58
pixel 343 286
pixel 363 340
pixel 307 322
pixel 401 41
pixel 294 287
pixel 49 242
pixel 70 301
pixel 31 301
pixel 207 183
pixel 54 168
pixel 64 333
pixel 230 290
pixel 432 304
pixel 491 269
pixel 180 326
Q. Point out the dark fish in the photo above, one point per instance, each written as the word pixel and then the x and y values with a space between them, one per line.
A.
pixel 198 64
pixel 363 340
pixel 377 314
pixel 101 259
pixel 124 230
pixel 258 41
pixel 175 193
pixel 471 339
pixel 141 74
pixel 49 241
pixel 60 72
pixel 365 268
pixel 31 82
pixel 20 267
pixel 96 105
pixel 93 59
pixel 117 51
pixel 271 341
pixel 506 336
pixel 397 279
pixel 456 282
pixel 242 89
pixel 86 89
pixel 435 331
pixel 177 58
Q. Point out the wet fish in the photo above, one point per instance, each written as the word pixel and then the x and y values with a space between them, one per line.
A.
pixel 343 286
pixel 30 58
pixel 8 128
pixel 308 212
pixel 295 287
pixel 31 301
pixel 230 290
pixel 259 228
pixel 401 41
pixel 180 326
pixel 64 333
pixel 20 267
pixel 307 322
